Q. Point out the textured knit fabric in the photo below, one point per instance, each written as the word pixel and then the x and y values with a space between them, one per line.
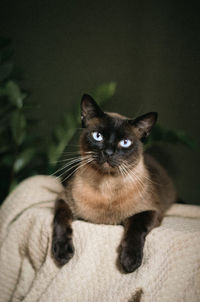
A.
pixel 170 271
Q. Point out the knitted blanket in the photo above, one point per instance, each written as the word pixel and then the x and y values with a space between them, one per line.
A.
pixel 170 270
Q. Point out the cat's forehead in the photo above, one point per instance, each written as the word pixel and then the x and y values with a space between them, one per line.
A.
pixel 116 121
pixel 111 122
pixel 117 116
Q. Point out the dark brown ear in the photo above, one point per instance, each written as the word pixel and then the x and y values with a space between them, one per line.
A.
pixel 89 109
pixel 143 124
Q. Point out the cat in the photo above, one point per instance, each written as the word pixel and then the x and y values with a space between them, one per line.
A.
pixel 114 182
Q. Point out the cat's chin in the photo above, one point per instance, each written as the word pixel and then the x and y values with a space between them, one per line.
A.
pixel 107 168
pixel 104 167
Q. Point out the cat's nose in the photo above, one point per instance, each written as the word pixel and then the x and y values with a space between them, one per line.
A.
pixel 109 151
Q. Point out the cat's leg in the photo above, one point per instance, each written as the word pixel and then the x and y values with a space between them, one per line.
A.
pixel 62 245
pixel 136 229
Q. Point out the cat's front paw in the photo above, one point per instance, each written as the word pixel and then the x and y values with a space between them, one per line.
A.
pixel 62 250
pixel 130 257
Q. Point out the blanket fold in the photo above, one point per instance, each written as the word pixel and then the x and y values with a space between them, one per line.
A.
pixel 170 270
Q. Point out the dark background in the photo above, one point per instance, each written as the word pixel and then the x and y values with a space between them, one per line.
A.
pixel 151 49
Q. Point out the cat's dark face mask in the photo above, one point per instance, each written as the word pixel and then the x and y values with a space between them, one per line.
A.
pixel 112 141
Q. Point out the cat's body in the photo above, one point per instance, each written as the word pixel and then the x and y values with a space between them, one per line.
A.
pixel 115 183
pixel 105 199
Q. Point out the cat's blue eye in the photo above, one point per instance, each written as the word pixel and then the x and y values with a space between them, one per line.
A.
pixel 97 136
pixel 125 143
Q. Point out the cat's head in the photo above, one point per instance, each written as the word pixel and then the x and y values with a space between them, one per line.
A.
pixel 112 142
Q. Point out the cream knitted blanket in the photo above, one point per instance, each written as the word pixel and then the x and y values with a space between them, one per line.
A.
pixel 170 271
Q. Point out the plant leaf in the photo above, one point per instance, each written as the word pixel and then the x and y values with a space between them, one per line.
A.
pixel 180 137
pixel 23 159
pixel 162 135
pixel 18 127
pixel 104 92
pixel 16 96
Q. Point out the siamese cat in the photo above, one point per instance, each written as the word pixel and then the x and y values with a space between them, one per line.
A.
pixel 114 182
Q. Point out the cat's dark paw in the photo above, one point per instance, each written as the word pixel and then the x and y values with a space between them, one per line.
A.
pixel 130 258
pixel 62 250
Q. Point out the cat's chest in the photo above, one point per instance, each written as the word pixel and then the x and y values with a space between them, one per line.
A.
pixel 106 202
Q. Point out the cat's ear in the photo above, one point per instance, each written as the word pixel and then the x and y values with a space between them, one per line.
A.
pixel 144 123
pixel 89 109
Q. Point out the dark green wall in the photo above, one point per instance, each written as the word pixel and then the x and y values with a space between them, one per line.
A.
pixel 152 50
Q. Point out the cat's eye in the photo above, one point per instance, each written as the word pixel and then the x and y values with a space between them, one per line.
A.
pixel 97 136
pixel 125 143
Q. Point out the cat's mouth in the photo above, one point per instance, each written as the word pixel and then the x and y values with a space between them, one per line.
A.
pixel 104 163
pixel 106 166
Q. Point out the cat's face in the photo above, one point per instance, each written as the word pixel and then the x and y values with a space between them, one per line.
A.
pixel 111 141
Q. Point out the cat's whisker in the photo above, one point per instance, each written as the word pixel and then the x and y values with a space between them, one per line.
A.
pixel 86 166
pixel 67 170
pixel 150 180
pixel 139 185
pixel 68 166
pixel 67 153
pixel 143 176
pixel 77 152
pixel 128 174
pixel 71 158
pixel 64 167
pixel 140 180
pixel 74 160
pixel 135 175
pixel 122 172
pixel 67 159
pixel 73 164
pixel 90 152
pixel 79 167
pixel 124 175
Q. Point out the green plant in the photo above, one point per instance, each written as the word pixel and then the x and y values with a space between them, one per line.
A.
pixel 16 148
pixel 161 135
